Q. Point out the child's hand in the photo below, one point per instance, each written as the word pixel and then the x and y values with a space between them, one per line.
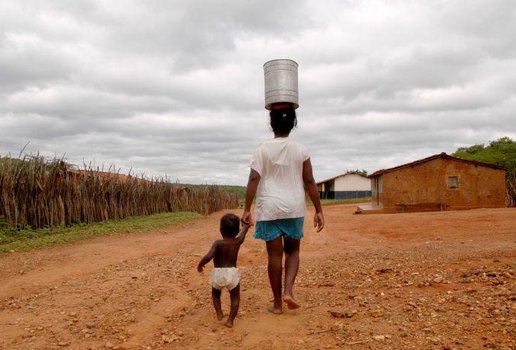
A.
pixel 200 268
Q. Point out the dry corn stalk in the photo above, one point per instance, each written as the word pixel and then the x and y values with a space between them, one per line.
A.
pixel 36 193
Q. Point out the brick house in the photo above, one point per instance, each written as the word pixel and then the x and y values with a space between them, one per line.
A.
pixel 439 182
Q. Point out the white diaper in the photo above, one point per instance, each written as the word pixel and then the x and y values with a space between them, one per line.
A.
pixel 224 277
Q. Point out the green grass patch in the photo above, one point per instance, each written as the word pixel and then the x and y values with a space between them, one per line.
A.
pixel 18 240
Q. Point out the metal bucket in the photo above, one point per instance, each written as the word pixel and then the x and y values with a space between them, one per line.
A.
pixel 281 82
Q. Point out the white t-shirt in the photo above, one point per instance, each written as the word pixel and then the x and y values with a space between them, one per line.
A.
pixel 280 193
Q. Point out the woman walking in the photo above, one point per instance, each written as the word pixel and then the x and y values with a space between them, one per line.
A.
pixel 280 172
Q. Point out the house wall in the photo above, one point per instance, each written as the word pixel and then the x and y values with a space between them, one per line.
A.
pixel 349 186
pixel 352 182
pixel 376 190
pixel 425 185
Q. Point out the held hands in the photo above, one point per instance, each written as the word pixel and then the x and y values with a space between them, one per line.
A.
pixel 319 221
pixel 247 218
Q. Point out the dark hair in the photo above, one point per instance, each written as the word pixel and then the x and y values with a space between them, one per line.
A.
pixel 229 225
pixel 283 120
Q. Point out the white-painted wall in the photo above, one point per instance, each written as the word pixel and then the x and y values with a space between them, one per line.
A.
pixel 352 182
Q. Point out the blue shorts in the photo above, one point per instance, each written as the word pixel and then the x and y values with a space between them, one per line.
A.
pixel 269 230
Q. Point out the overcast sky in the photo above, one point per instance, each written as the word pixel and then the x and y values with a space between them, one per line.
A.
pixel 175 88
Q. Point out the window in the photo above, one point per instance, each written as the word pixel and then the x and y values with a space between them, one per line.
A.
pixel 453 182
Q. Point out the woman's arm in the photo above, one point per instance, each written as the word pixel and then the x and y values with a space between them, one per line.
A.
pixel 252 185
pixel 313 193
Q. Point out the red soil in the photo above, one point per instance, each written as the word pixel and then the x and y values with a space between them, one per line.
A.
pixel 441 280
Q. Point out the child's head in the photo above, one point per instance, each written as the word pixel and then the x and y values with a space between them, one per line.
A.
pixel 229 225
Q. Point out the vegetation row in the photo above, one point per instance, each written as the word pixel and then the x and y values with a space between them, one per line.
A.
pixel 37 193
pixel 499 152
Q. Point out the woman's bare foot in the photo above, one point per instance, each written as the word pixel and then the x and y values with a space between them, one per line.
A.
pixel 220 316
pixel 229 323
pixel 274 310
pixel 291 303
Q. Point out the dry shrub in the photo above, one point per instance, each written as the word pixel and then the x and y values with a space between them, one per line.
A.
pixel 37 193
pixel 511 192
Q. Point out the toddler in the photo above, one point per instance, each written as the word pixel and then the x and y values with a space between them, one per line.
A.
pixel 225 274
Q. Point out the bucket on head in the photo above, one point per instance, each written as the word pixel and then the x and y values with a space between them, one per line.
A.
pixel 281 82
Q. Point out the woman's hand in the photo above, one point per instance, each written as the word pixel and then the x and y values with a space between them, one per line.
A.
pixel 247 218
pixel 319 221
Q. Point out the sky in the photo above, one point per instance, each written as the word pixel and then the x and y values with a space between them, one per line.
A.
pixel 175 89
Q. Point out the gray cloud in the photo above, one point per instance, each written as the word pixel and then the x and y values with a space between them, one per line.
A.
pixel 176 88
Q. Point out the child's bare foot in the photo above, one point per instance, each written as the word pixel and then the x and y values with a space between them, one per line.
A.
pixel 274 310
pixel 220 316
pixel 229 323
pixel 291 303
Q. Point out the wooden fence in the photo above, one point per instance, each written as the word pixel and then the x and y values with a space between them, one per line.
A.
pixel 36 193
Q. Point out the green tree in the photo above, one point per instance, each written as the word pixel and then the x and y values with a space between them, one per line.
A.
pixel 500 152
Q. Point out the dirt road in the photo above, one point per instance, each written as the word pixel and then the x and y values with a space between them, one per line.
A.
pixel 442 280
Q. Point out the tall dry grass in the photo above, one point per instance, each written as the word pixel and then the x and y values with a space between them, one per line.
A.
pixel 37 193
